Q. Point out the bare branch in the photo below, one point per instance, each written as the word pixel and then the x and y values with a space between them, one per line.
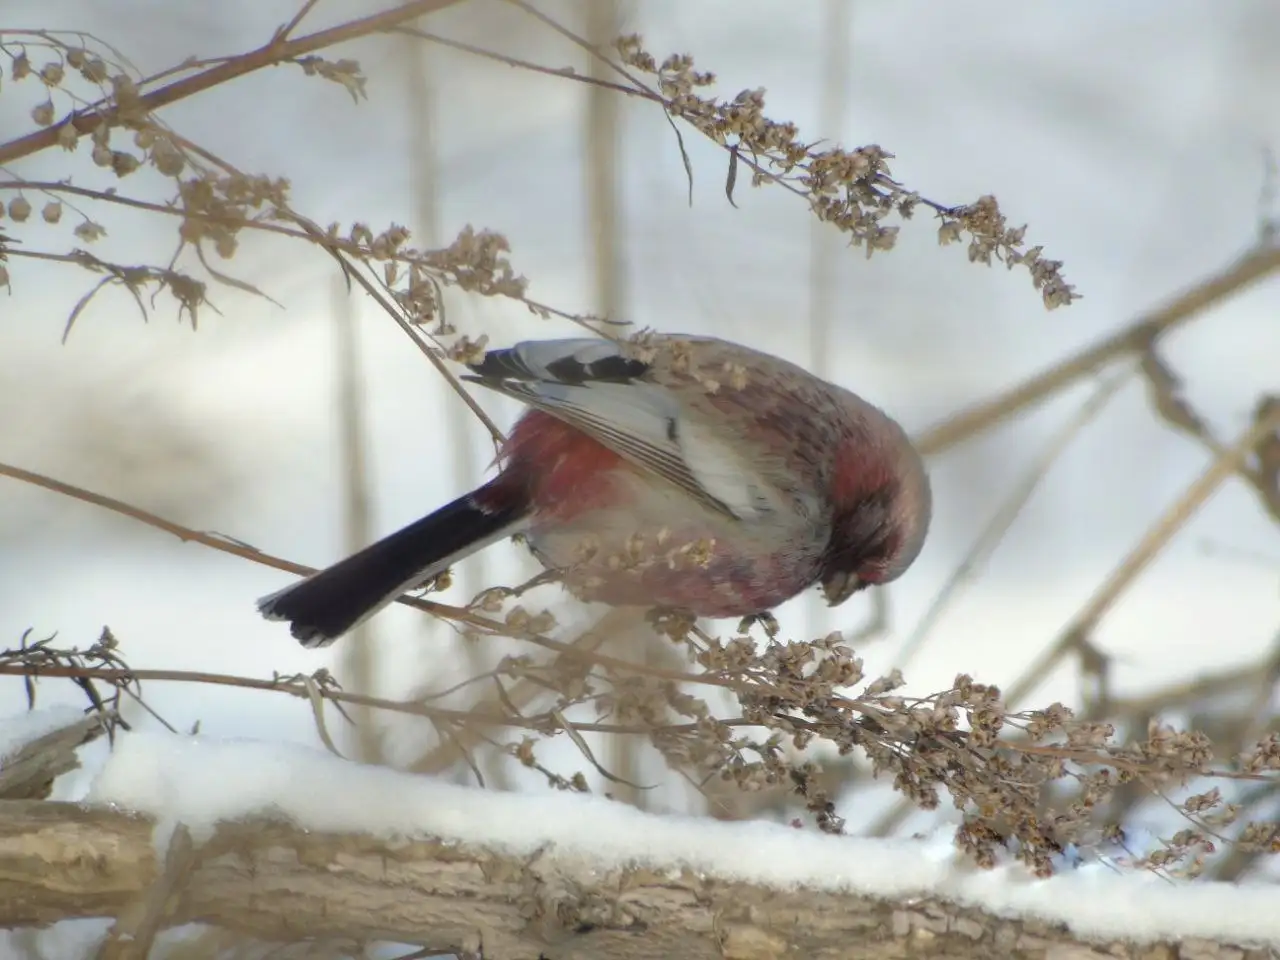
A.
pixel 84 121
pixel 1133 339
pixel 1152 542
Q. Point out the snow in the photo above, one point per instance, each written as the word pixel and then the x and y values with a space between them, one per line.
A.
pixel 20 729
pixel 200 781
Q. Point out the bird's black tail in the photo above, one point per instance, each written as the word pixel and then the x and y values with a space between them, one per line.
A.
pixel 327 604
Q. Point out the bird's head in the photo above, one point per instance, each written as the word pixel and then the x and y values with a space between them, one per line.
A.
pixel 882 507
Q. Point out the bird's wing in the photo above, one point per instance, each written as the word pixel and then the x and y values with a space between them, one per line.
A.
pixel 594 386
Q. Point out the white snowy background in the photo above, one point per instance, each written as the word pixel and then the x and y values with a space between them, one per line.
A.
pixel 1130 137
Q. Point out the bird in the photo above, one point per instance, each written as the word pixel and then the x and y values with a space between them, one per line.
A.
pixel 679 472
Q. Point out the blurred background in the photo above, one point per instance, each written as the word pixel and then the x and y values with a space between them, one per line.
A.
pixel 1134 140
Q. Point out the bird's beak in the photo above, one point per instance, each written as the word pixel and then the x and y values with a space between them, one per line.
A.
pixel 839 586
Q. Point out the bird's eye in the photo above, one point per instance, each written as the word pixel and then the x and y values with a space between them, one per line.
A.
pixel 878 560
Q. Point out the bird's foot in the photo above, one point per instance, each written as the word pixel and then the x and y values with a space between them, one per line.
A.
pixel 767 621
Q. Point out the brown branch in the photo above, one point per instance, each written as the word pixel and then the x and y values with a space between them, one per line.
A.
pixel 267 880
pixel 1184 693
pixel 306 687
pixel 1146 550
pixel 1076 635
pixel 152 520
pixel 274 53
pixel 1168 399
pixel 1132 340
pixel 1003 519
pixel 442 610
pixel 521 695
pixel 563 73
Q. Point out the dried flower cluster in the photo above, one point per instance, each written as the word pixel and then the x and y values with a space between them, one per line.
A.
pixel 1030 784
pixel 82 91
pixel 213 202
pixel 851 189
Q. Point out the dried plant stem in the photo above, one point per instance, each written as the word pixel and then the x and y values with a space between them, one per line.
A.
pixel 337 250
pixel 601 141
pixel 150 519
pixel 1146 550
pixel 279 50
pixel 1076 634
pixel 1005 516
pixel 305 688
pixel 283 33
pixel 359 657
pixel 1185 693
pixel 1132 340
pixel 443 610
pixel 561 73
pixel 826 250
pixel 519 695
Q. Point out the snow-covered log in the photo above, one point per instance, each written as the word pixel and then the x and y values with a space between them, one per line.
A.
pixel 283 843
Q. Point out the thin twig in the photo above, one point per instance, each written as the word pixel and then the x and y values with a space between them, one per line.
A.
pixel 563 73
pixel 283 33
pixel 359 657
pixel 521 694
pixel 306 687
pixel 301 688
pixel 1077 633
pixel 443 610
pixel 273 53
pixel 1146 550
pixel 1004 517
pixel 1254 266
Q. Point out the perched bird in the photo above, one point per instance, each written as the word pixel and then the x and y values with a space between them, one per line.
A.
pixel 673 471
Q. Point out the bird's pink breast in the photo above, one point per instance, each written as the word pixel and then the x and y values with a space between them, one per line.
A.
pixel 730 585
pixel 627 537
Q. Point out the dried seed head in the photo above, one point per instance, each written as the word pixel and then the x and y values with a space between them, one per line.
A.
pixel 42 113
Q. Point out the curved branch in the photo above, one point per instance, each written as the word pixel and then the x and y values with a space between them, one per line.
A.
pixel 272 54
